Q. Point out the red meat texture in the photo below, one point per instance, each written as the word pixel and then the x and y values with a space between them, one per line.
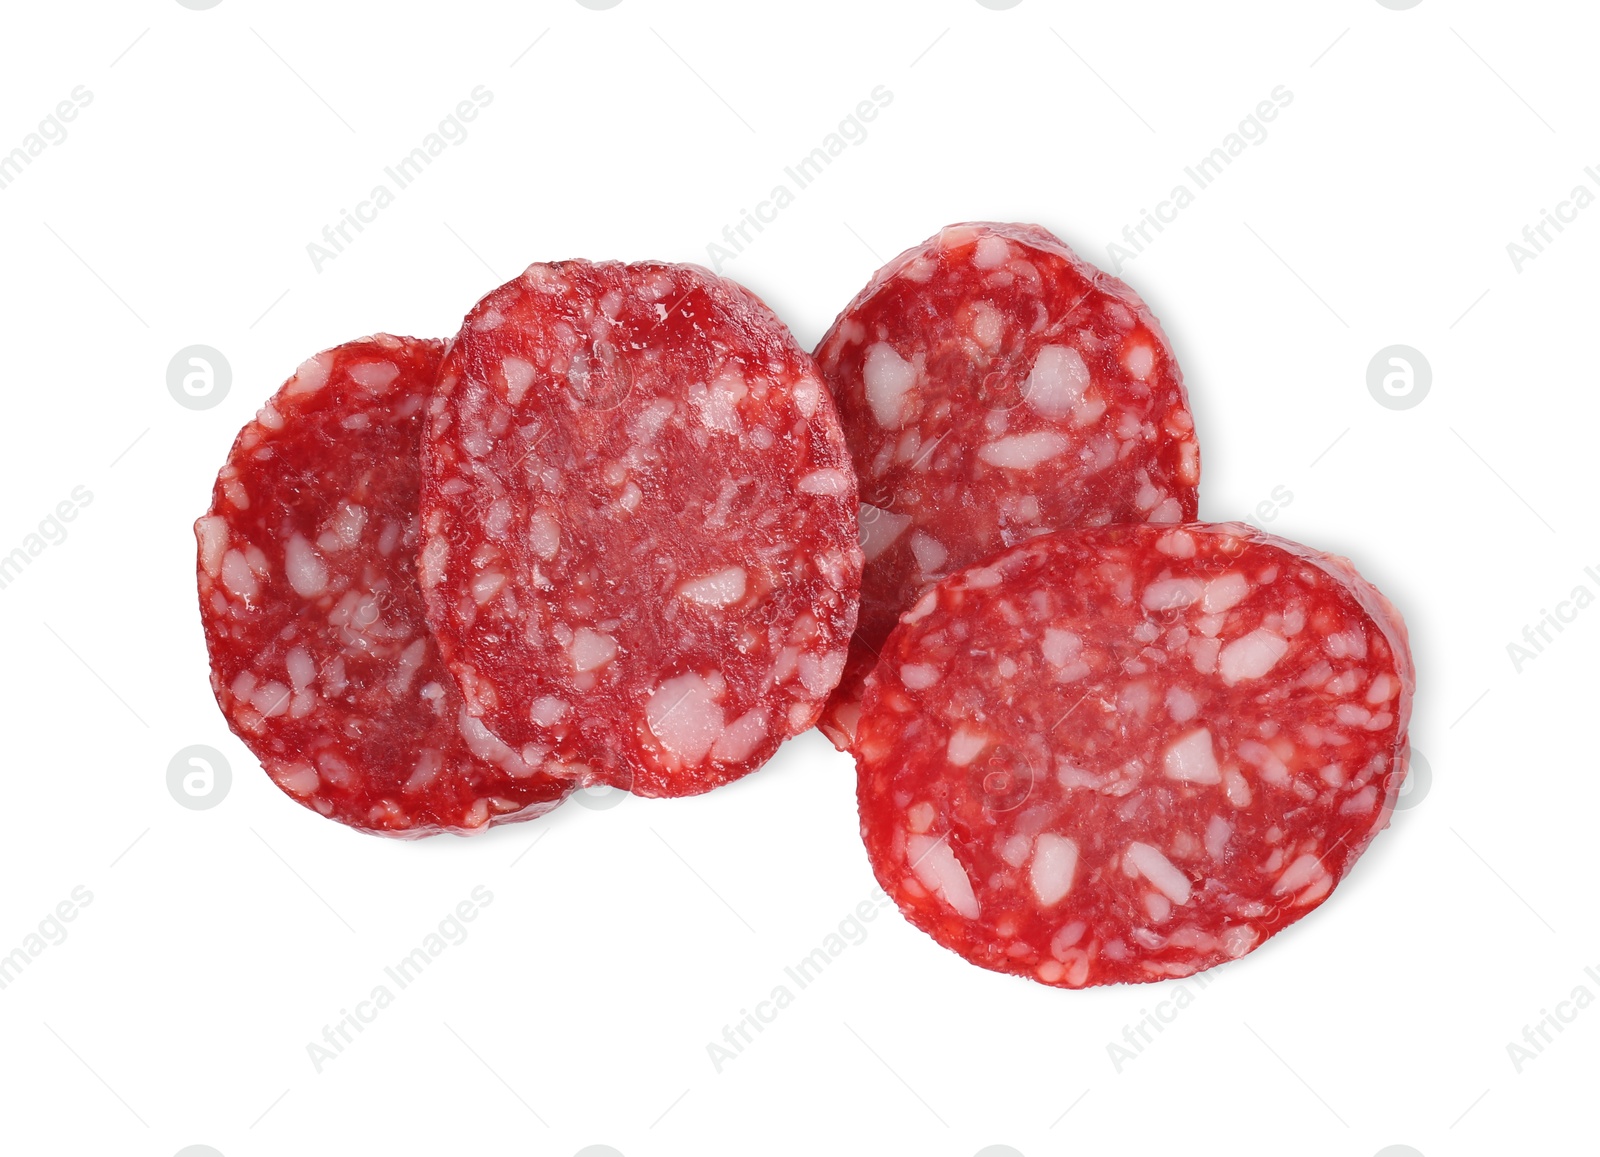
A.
pixel 320 654
pixel 994 386
pixel 1134 752
pixel 639 521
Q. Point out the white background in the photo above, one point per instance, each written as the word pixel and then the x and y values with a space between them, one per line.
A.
pixel 621 940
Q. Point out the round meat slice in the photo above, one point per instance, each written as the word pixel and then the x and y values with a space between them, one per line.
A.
pixel 1133 752
pixel 994 386
pixel 320 653
pixel 639 522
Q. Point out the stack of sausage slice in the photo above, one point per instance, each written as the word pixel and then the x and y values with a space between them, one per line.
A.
pixel 619 532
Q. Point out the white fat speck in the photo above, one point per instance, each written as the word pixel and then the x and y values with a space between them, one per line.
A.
pixel 721 588
pixel 819 674
pixel 300 666
pixel 486 584
pixel 918 676
pixel 741 738
pixel 828 481
pixel 1351 644
pixel 374 376
pixel 1168 510
pixel 879 529
pixel 429 762
pixel 497 519
pixel 648 422
pixel 1059 647
pixel 1181 705
pixel 411 660
pixel 922 608
pixel 212 534
pixel 547 711
pixel 430 563
pixel 920 816
pixel 987 324
pixel 1057 382
pixel 301 779
pixel 929 552
pixel 1023 451
pixel 271 698
pixel 1055 860
pixel 544 535
pixel 981 578
pixel 1176 544
pixel 1272 769
pixel 1157 906
pixel 1224 592
pixel 1192 759
pixel 1210 625
pixel 482 742
pixel 1172 594
pixel 1236 787
pixel 307 573
pixel 1160 871
pixel 1218 832
pixel 941 873
pixel 311 376
pixel 1238 940
pixel 964 746
pixel 684 715
pixel 1361 802
pixel 237 578
pixel 1382 689
pixel 1351 714
pixel 1251 656
pixel 1015 851
pixel 1140 360
pixel 591 649
pixel 389 538
pixel 1298 874
pixel 990 252
pixel 519 376
pixel 807 394
pixel 887 377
